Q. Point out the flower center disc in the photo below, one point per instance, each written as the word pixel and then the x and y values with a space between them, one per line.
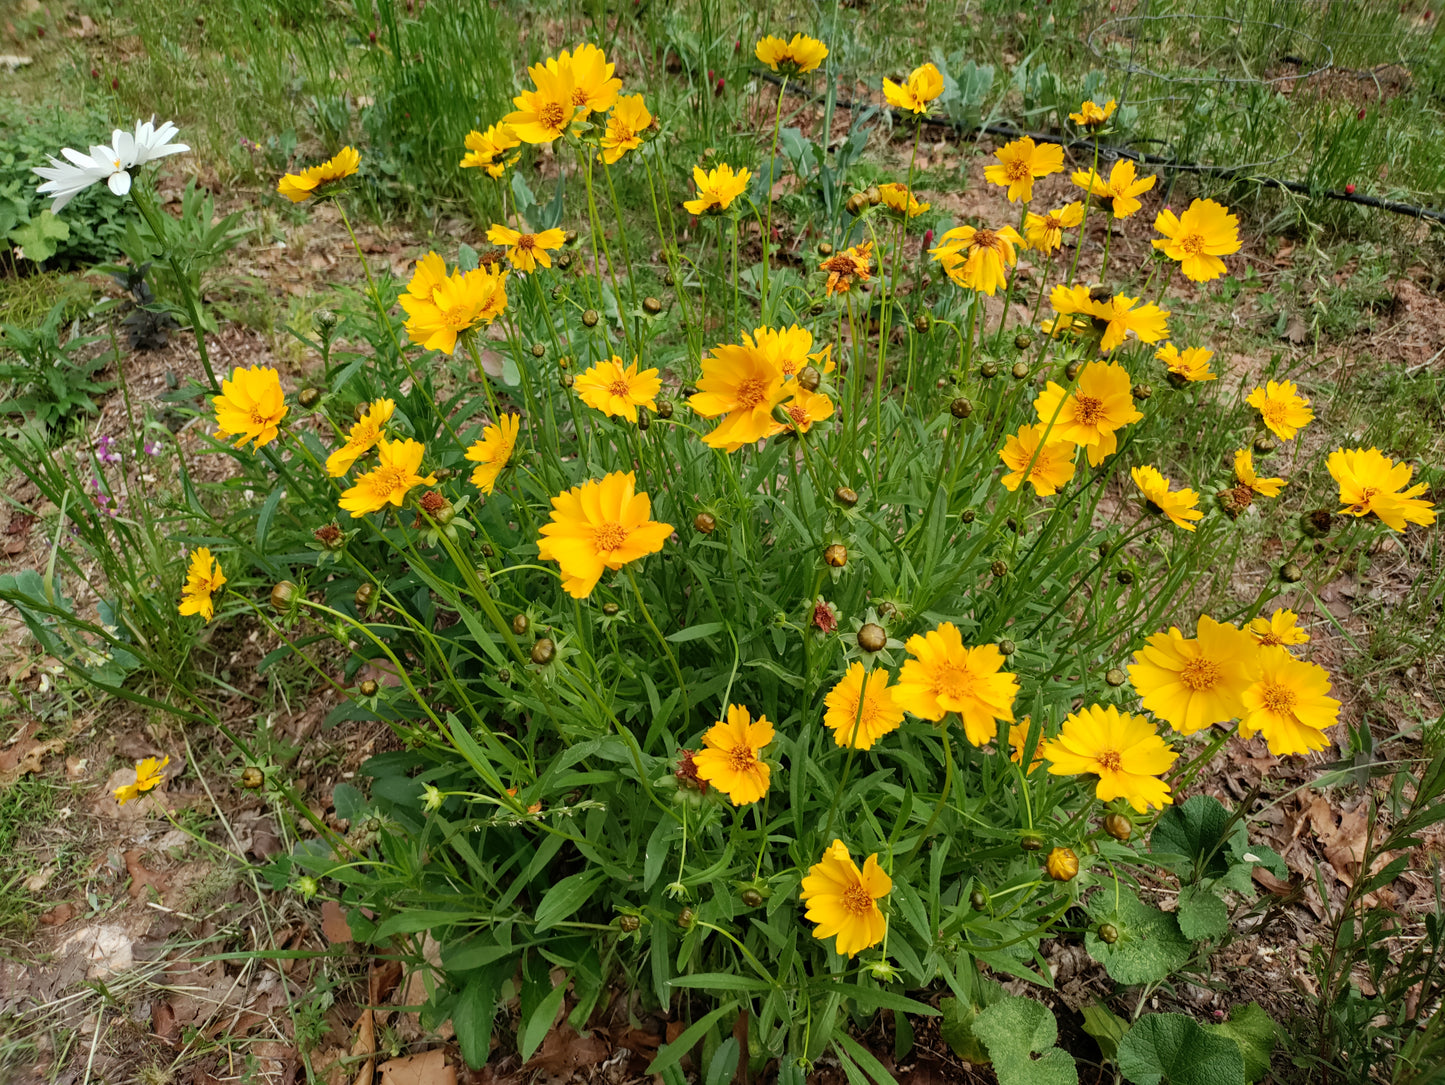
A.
pixel 1193 244
pixel 1200 675
pixel 551 115
pixel 741 759
pixel 1110 759
pixel 1277 698
pixel 1018 170
pixel 751 392
pixel 620 388
pixel 609 537
pixel 954 682
pixel 856 900
pixel 1088 409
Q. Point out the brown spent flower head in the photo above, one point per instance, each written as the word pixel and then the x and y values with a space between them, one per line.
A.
pixel 686 772
pixel 704 522
pixel 329 536
pixel 825 618
pixel 435 506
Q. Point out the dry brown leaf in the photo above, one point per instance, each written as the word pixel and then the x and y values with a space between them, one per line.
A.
pixel 428 1068
pixel 564 1051
pixel 1296 331
pixel 61 913
pixel 333 923
pixel 365 1045
pixel 140 877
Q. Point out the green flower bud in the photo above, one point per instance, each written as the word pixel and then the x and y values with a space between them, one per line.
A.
pixel 543 651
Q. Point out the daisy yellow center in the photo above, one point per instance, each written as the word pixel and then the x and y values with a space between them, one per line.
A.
pixel 620 388
pixel 1052 223
pixel 1193 244
pixel 840 265
pixel 1367 494
pixel 741 758
pixel 953 682
pixel 1273 411
pixel 1277 698
pixel 458 317
pixel 751 392
pixel 609 537
pixel 1110 760
pixel 551 115
pixel 579 97
pixel 1017 170
pixel 387 480
pixel 526 242
pixel 621 132
pixel 985 239
pixel 1200 675
pixel 1269 638
pixel 797 414
pixel 258 418
pixel 1088 410
pixel 856 901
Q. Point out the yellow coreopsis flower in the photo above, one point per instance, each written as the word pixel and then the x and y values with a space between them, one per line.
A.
pixel 1192 684
pixel 602 524
pixel 899 200
pixel 1045 233
pixel 796 57
pixel 618 390
pixel 787 348
pixel 923 85
pixel 1370 481
pixel 944 676
pixel 1122 750
pixel 1181 506
pixel 729 760
pixel 149 774
pixel 362 438
pixel 717 188
pixel 1099 404
pixel 1282 408
pixel 1121 317
pixel 1246 476
pixel 1053 463
pixel 847 267
pixel 299 187
pixel 978 259
pixel 1120 192
pixel 742 382
pixel 841 899
pixel 396 473
pixel 250 406
pixel 203 579
pixel 1188 365
pixel 442 306
pixel 804 409
pixel 861 727
pixel 1281 627
pixel 625 124
pixel 586 68
pixel 544 113
pixel 1198 238
pixel 1289 704
pixel 1093 116
pixel 1022 162
pixel 1075 309
pixel 526 251
pixel 1018 736
pixel 488 150
pixel 492 453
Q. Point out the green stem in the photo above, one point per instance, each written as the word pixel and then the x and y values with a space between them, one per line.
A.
pixel 151 215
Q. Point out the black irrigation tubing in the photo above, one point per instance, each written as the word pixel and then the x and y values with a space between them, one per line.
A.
pixel 1110 152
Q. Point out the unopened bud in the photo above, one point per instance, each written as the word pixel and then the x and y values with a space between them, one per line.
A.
pixel 1062 864
pixel 564 361
pixel 836 555
pixel 704 522
pixel 610 610
pixel 307 398
pixel 809 378
pixel 967 516
pixel 1115 677
pixel 978 900
pixel 644 418
pixel 365 595
pixel 846 496
pixel 520 624
pixel 543 651
pixel 1264 444
pixel 1108 933
pixel 566 380
pixel 589 318
pixel 1023 340
pixel 504 675
pixel 874 196
pixel 988 370
pixel 488 551
pixel 1141 391
pixel 752 898
pixel 1291 573
pixel 282 595
pixel 1118 826
pixel 1007 647
pixel 539 350
pixel 1317 523
pixel 999 568
pixel 325 321
pixel 628 923
pixel 664 408
pixel 1020 370
pixel 1071 371
pixel 651 306
pixel 872 637
pixel 1031 840
pixel 825 249
pixel 856 203
pixel 369 688
pixel 961 408
pixel 251 778
pixel 922 323
pixel 1124 577
pixel 686 918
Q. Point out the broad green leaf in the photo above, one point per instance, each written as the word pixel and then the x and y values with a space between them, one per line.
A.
pixel 1201 913
pixel 1171 1049
pixel 38 237
pixel 564 898
pixel 1106 1027
pixel 1197 829
pixel 957 1030
pixel 539 1023
pixel 1013 1031
pixel 1149 945
pixel 724 1062
pixel 473 1014
pixel 1255 1033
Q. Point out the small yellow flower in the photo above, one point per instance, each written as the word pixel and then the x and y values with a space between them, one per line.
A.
pixel 526 251
pixel 1192 684
pixel 879 714
pixel 1075 309
pixel 730 761
pixel 944 676
pixel 841 899
pixel 1123 751
pixel 396 473
pixel 587 70
pixel 1120 192
pixel 924 84
pixel 1052 464
pixel 803 410
pixel 299 187
pixel 441 306
pixel 488 150
pixel 1045 233
pixel 796 57
pixel 1181 506
pixel 1062 865
pixel 897 199
pixel 1022 162
pixel 717 188
pixel 149 774
pixel 1289 704
pixel 544 113
pixel 1190 364
pixel 250 406
pixel 1099 405
pixel 362 438
pixel 787 348
pixel 625 124
pixel 203 579
pixel 1245 476
pixel 978 259
pixel 847 267
pixel 1093 116
pixel 617 390
pixel 602 524
pixel 1281 627
pixel 1018 736
pixel 742 382
pixel 492 453
pixel 1282 408
pixel 1121 317
pixel 1370 482
pixel 1198 238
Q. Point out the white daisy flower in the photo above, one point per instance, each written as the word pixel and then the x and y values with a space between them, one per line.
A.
pixel 111 164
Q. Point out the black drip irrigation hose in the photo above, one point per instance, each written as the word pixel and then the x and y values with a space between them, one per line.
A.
pixel 1110 153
